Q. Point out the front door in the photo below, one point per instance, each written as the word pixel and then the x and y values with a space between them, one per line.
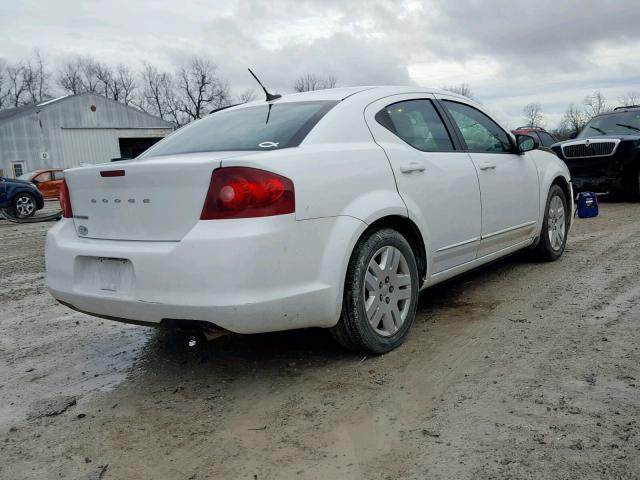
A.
pixel 437 181
pixel 508 180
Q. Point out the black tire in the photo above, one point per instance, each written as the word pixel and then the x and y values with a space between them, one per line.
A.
pixel 18 199
pixel 354 330
pixel 545 250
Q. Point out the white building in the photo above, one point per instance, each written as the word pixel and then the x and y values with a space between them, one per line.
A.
pixel 67 131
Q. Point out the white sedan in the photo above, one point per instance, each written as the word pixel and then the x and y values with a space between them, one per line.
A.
pixel 330 209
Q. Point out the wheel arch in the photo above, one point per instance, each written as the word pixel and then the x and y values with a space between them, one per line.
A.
pixel 564 185
pixel 410 231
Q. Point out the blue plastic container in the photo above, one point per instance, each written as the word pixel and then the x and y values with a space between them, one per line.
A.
pixel 587 205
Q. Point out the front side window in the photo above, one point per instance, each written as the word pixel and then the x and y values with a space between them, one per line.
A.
pixel 43 177
pixel 263 127
pixel 480 133
pixel 623 123
pixel 416 122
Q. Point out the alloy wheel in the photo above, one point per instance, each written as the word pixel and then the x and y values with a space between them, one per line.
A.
pixel 387 291
pixel 25 206
pixel 556 223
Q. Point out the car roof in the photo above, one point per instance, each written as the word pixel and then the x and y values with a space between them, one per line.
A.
pixel 338 94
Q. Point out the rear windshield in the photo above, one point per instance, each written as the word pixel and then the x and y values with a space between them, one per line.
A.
pixel 263 127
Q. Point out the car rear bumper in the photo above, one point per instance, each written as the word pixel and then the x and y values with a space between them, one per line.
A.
pixel 246 276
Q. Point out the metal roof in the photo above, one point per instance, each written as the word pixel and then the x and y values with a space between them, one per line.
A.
pixel 12 114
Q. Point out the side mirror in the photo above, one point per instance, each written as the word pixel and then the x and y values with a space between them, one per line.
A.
pixel 35 182
pixel 573 135
pixel 526 143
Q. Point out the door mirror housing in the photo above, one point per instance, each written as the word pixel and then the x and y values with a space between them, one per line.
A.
pixel 526 143
pixel 573 135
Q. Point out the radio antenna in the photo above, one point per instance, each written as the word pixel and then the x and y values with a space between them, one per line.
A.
pixel 270 96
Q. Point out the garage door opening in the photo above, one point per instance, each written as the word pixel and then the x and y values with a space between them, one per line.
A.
pixel 132 147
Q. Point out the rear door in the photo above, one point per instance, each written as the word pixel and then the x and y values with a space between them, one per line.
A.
pixel 508 180
pixel 56 182
pixel 437 181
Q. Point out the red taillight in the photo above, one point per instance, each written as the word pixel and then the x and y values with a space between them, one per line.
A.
pixel 241 192
pixel 65 200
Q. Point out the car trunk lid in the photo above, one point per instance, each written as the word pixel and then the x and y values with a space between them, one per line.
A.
pixel 154 199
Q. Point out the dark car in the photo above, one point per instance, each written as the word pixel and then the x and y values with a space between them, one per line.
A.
pixel 539 134
pixel 605 155
pixel 21 197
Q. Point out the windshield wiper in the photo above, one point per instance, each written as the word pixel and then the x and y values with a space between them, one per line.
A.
pixel 630 127
pixel 598 129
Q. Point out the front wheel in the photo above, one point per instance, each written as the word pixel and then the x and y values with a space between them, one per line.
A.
pixel 24 205
pixel 380 294
pixel 555 226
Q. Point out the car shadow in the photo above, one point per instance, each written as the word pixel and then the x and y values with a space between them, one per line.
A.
pixel 170 352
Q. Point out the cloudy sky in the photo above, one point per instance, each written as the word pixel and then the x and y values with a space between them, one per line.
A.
pixel 509 52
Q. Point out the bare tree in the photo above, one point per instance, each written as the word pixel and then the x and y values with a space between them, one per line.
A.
pixel 24 82
pixel 90 75
pixel 82 75
pixel 70 78
pixel 124 85
pixel 4 89
pixel 312 81
pixel 17 92
pixel 628 99
pixel 36 79
pixel 200 90
pixel 574 118
pixel 157 96
pixel 249 95
pixel 105 84
pixel 462 89
pixel 532 114
pixel 595 104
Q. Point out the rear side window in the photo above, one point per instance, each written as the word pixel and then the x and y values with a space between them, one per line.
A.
pixel 416 122
pixel 58 175
pixel 480 133
pixel 264 127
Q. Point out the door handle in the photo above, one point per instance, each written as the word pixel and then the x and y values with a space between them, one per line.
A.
pixel 412 167
pixel 487 165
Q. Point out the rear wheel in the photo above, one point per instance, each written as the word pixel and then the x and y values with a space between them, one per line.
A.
pixel 24 205
pixel 380 294
pixel 555 226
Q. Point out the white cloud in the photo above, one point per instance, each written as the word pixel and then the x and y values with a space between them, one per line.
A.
pixel 509 53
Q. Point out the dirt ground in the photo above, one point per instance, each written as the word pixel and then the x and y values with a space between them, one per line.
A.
pixel 519 370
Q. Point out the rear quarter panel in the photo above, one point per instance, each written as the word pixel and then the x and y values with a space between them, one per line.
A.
pixel 549 168
pixel 333 179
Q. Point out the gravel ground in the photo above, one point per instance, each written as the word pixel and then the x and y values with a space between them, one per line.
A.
pixel 519 370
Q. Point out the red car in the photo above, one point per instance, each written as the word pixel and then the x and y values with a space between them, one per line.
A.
pixel 538 134
pixel 48 181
